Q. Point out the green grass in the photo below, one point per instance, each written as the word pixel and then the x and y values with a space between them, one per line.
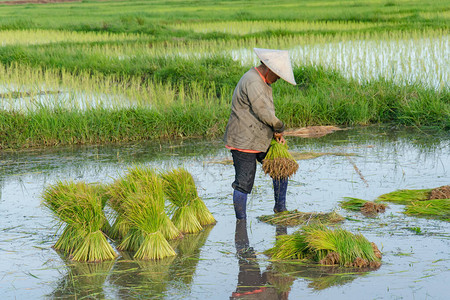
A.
pixel 154 16
pixel 115 71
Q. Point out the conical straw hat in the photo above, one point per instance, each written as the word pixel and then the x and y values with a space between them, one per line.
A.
pixel 278 62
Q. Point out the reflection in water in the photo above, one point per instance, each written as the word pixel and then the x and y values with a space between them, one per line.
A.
pixel 135 278
pixel 319 277
pixel 252 284
pixel 82 280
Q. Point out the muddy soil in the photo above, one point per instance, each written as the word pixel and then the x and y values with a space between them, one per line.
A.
pixel 312 131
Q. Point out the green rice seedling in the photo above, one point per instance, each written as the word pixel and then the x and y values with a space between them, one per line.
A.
pixel 438 208
pixel 368 208
pixel 405 196
pixel 189 211
pixel 80 206
pixel 144 211
pixel 295 217
pixel 348 246
pixel 279 163
pixel 353 204
pixel 292 246
pixel 136 180
pixel 180 189
pixel 327 246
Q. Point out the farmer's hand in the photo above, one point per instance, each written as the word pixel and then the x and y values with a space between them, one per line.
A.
pixel 279 138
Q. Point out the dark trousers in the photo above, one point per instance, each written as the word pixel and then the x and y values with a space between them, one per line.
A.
pixel 245 169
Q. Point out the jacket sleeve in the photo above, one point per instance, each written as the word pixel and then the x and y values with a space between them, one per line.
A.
pixel 263 108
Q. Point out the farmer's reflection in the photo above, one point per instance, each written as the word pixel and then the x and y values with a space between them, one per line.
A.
pixel 251 283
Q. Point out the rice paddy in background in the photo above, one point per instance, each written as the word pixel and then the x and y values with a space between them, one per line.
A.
pixel 415 263
pixel 136 71
pixel 168 61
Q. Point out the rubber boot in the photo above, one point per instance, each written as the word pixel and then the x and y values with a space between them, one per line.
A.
pixel 240 204
pixel 280 189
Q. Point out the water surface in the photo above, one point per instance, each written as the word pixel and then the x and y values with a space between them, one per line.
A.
pixel 414 266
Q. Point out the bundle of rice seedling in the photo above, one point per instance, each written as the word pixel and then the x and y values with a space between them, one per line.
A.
pixel 136 180
pixel 189 212
pixel 144 212
pixel 439 208
pixel 80 206
pixel 405 196
pixel 279 163
pixel 368 208
pixel 295 217
pixel 327 246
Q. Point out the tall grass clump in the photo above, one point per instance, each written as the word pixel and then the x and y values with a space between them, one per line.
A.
pixel 189 212
pixel 279 163
pixel 136 180
pixel 80 207
pixel 327 246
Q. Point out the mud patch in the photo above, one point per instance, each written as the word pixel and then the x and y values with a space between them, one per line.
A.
pixel 312 131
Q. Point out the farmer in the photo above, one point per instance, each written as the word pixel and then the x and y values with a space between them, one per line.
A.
pixel 253 123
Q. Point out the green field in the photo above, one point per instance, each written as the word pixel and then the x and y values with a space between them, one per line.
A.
pixel 114 71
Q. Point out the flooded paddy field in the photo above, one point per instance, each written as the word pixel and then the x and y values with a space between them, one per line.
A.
pixel 415 263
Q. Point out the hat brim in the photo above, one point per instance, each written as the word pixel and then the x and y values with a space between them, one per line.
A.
pixel 278 62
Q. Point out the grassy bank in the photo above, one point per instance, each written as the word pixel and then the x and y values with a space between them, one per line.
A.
pixel 321 98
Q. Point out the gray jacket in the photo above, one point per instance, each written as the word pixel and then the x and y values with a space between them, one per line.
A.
pixel 252 120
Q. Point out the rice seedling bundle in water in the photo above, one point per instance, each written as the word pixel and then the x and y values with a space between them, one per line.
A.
pixel 327 246
pixel 189 211
pixel 279 163
pixel 295 217
pixel 405 196
pixel 137 180
pixel 368 208
pixel 144 211
pixel 80 206
pixel 439 208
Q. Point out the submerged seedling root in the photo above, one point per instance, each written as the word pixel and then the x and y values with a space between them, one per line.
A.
pixel 372 208
pixel 368 208
pixel 295 217
pixel 279 163
pixel 442 192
